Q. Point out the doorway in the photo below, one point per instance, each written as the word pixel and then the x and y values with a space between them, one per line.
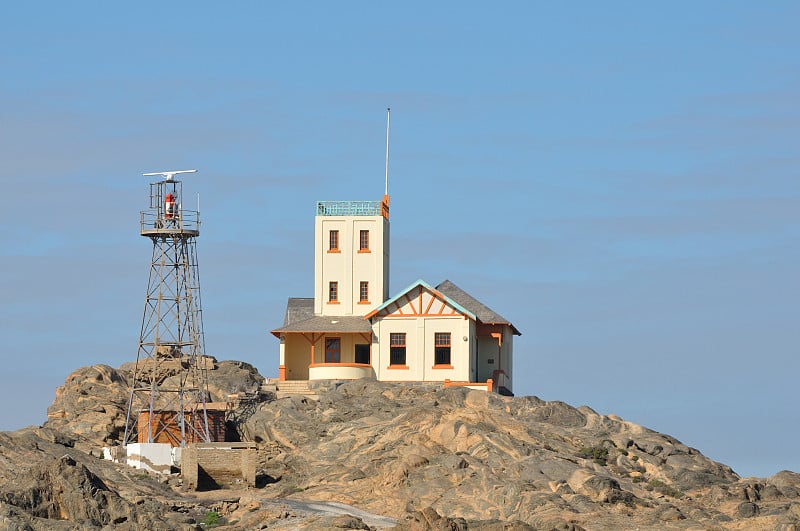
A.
pixel 333 350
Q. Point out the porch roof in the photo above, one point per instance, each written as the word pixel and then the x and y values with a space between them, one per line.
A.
pixel 300 319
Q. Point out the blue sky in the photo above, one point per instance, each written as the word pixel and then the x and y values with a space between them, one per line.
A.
pixel 619 179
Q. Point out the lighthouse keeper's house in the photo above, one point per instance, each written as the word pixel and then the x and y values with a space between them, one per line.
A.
pixel 353 329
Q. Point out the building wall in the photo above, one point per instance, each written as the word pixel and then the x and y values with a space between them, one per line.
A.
pixel 219 464
pixel 297 356
pixel 166 429
pixel 348 265
pixel 420 331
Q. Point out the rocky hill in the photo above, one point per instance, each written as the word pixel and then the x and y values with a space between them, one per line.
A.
pixel 409 457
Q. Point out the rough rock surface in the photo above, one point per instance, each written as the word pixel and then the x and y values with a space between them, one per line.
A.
pixel 92 403
pixel 370 455
pixel 409 451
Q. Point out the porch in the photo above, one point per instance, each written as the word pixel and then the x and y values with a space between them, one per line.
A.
pixel 326 356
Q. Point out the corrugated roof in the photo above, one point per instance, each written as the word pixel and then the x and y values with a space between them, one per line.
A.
pixel 484 313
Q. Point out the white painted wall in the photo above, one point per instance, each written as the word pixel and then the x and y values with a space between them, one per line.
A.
pixel 154 457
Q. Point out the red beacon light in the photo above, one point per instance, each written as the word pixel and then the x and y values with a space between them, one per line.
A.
pixel 169 206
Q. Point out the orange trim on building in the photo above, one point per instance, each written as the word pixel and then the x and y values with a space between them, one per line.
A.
pixel 342 364
pixel 426 315
pixel 398 367
pixel 498 337
pixel 489 384
pixel 282 372
pixel 442 367
pixel 385 206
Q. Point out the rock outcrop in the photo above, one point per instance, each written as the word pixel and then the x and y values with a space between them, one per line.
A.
pixel 370 455
pixel 401 450
pixel 92 403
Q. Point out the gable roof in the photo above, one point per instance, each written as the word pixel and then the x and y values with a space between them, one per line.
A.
pixel 484 313
pixel 436 293
pixel 300 318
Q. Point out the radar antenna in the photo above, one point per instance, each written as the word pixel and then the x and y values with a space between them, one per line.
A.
pixel 169 175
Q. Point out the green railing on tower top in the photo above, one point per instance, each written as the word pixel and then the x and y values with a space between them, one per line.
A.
pixel 348 208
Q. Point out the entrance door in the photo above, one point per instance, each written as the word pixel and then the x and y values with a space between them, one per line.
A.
pixel 333 350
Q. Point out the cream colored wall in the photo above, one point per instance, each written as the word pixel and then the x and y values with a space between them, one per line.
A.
pixel 420 332
pixel 349 267
pixel 296 355
pixel 347 343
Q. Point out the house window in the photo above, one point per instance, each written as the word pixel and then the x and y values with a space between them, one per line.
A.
pixel 333 243
pixel 333 291
pixel 362 354
pixel 363 295
pixel 397 349
pixel 333 350
pixel 363 241
pixel 441 343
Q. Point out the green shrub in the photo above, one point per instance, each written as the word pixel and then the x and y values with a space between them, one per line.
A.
pixel 667 490
pixel 212 518
pixel 598 454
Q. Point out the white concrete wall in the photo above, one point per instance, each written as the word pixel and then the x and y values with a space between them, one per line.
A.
pixel 350 266
pixel 155 457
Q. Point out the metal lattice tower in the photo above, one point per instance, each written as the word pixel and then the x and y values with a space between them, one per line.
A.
pixel 169 389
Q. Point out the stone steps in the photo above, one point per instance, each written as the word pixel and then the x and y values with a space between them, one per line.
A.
pixel 285 388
